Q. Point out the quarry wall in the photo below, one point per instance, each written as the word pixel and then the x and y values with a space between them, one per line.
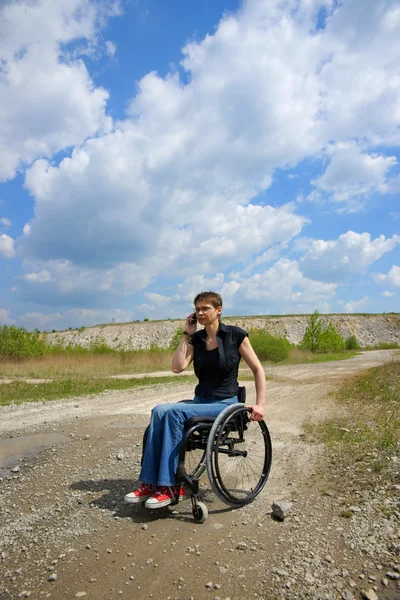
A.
pixel 368 329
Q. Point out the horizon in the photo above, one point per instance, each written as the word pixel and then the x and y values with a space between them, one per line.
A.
pixel 182 319
pixel 150 150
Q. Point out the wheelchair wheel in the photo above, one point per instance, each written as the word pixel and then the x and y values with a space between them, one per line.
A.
pixel 195 462
pixel 200 512
pixel 239 455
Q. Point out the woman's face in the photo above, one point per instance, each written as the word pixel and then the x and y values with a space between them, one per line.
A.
pixel 206 313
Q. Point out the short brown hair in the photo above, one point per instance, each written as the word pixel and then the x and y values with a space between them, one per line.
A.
pixel 212 297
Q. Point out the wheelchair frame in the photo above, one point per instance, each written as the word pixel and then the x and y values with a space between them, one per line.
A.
pixel 216 436
pixel 222 435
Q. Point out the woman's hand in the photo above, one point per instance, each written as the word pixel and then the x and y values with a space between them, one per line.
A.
pixel 190 324
pixel 257 413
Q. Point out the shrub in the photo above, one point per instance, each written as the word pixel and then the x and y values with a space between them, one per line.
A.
pixel 100 347
pixel 313 332
pixel 330 340
pixel 387 346
pixel 352 343
pixel 176 338
pixel 18 343
pixel 269 347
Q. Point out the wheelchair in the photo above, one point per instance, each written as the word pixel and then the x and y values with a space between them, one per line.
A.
pixel 235 451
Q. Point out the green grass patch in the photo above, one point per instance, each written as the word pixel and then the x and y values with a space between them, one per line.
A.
pixel 370 427
pixel 298 356
pixel 19 392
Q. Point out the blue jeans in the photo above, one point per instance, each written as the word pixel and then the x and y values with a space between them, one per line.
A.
pixel 161 454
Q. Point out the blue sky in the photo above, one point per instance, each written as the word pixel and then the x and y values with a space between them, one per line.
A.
pixel 150 150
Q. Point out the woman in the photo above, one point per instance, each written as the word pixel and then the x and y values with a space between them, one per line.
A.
pixel 216 351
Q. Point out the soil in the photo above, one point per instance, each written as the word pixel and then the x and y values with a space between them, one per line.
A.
pixel 66 533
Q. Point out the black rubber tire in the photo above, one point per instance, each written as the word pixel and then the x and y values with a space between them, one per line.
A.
pixel 146 433
pixel 237 480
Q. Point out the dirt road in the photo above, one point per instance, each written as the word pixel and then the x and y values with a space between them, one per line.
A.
pixel 65 532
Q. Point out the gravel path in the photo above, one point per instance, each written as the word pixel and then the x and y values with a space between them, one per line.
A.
pixel 65 532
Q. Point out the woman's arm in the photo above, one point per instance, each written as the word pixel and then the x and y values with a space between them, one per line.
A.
pixel 184 353
pixel 247 352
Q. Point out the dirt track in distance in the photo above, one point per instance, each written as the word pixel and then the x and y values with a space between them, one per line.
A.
pixel 62 513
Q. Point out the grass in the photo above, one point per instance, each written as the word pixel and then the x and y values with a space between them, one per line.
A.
pixel 81 364
pixel 19 391
pixel 87 364
pixel 362 447
pixel 299 356
pixel 369 430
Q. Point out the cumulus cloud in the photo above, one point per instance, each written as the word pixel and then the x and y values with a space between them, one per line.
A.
pixel 5 318
pixel 7 249
pixel 110 48
pixel 355 305
pixel 390 278
pixel 74 318
pixel 63 283
pixel 5 222
pixel 281 288
pixel 176 186
pixel 48 99
pixel 352 175
pixel 388 294
pixel 352 253
pixel 41 277
pixel 276 290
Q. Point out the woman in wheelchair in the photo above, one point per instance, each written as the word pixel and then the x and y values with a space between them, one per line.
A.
pixel 215 351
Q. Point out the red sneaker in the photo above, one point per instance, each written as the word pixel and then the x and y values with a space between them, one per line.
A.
pixel 164 496
pixel 141 494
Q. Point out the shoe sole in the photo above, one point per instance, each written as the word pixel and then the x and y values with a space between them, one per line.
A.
pixel 163 503
pixel 136 500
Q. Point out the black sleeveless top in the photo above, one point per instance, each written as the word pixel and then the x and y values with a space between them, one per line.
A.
pixel 217 369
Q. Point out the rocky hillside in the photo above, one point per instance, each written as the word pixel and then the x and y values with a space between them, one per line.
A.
pixel 368 329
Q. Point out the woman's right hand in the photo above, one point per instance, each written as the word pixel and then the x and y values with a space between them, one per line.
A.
pixel 190 324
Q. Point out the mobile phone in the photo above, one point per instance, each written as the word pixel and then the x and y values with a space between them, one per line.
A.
pixel 193 319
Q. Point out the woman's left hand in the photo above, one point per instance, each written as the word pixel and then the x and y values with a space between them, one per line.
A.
pixel 257 413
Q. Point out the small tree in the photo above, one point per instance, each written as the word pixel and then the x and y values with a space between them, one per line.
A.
pixel 18 343
pixel 352 343
pixel 330 340
pixel 313 332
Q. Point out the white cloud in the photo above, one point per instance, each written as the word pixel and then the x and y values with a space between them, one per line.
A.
pixel 48 100
pixel 7 246
pixel 282 288
pixel 279 289
pixel 391 278
pixel 82 317
pixel 355 305
pixel 5 317
pixel 41 277
pixel 116 220
pixel 5 222
pixel 388 294
pixel 62 282
pixel 352 253
pixel 352 175
pixel 110 48
pixel 170 190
